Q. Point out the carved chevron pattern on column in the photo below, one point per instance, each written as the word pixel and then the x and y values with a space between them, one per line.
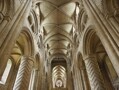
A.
pixel 94 75
pixel 23 76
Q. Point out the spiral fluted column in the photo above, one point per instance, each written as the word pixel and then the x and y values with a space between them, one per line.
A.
pixel 94 74
pixel 24 74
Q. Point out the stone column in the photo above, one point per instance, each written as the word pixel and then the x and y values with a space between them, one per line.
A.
pixel 10 32
pixel 107 34
pixel 94 74
pixel 85 78
pixel 24 74
pixel 37 81
pixel 49 77
pixel 79 80
pixel 76 78
pixel 69 78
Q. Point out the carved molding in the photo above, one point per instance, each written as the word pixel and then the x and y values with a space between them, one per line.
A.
pixel 1 17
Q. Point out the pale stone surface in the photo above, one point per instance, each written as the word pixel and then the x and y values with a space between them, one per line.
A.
pixel 60 36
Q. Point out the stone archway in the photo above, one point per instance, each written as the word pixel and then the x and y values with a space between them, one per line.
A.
pixel 90 60
pixel 83 78
pixel 23 55
pixel 95 58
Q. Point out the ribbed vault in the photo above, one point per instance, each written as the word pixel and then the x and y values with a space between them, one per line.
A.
pixel 57 25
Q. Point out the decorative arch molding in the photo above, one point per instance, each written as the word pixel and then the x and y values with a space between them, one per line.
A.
pixel 41 1
pixel 82 20
pixel 6 7
pixel 29 49
pixel 6 12
pixel 35 20
pixel 110 6
pixel 91 42
pixel 12 60
pixel 51 58
pixel 50 37
pixel 107 6
pixel 88 40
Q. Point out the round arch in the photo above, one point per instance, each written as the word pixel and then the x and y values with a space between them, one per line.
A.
pixel 88 40
pixel 29 44
pixel 24 45
pixel 51 58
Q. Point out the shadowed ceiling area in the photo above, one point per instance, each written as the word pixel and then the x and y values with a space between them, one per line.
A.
pixel 57 25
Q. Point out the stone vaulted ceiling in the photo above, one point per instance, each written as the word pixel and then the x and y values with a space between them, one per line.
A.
pixel 57 24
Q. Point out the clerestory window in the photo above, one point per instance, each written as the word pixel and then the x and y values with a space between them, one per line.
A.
pixel 6 72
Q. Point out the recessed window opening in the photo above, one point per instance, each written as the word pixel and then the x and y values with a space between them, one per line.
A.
pixel 6 72
pixel 59 77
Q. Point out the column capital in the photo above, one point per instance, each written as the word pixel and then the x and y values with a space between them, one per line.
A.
pixel 31 58
pixel 90 56
pixel 93 72
pixel 24 73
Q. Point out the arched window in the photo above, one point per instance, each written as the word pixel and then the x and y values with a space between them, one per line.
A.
pixel 59 77
pixel 6 72
pixel 59 83
pixel 31 22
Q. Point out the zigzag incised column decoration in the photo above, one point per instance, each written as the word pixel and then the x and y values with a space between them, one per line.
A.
pixel 23 75
pixel 94 74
